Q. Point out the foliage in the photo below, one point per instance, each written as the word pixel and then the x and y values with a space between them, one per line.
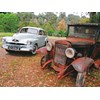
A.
pixel 84 20
pixel 73 19
pixel 95 17
pixel 9 22
pixel 62 25
pixel 54 24
pixel 1 28
pixel 62 33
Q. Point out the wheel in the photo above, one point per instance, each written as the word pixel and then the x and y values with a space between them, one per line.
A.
pixel 44 59
pixel 80 80
pixel 34 49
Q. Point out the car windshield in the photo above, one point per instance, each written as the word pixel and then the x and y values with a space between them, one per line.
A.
pixel 28 30
pixel 83 31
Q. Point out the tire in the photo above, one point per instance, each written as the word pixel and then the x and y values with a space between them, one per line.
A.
pixel 80 80
pixel 44 59
pixel 34 50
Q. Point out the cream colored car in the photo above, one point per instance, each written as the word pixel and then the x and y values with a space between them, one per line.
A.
pixel 27 39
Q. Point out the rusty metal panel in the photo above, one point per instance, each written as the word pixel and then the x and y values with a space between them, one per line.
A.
pixel 60 57
pixel 81 64
pixel 42 50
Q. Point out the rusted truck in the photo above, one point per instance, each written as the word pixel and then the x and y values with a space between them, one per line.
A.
pixel 76 54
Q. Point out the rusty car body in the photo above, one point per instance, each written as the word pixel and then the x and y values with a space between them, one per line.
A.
pixel 78 53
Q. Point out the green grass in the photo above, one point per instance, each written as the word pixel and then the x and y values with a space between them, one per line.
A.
pixel 3 34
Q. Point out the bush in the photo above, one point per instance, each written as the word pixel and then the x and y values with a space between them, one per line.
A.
pixel 10 22
pixel 62 33
pixel 1 28
pixel 50 32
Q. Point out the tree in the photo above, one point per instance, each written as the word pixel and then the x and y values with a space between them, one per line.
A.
pixel 10 22
pixel 84 20
pixel 25 18
pixel 1 26
pixel 92 17
pixel 62 15
pixel 73 19
pixel 62 27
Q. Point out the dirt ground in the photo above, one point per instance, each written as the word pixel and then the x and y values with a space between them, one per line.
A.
pixel 24 70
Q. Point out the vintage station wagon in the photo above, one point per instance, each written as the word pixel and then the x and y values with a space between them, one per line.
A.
pixel 27 39
pixel 76 54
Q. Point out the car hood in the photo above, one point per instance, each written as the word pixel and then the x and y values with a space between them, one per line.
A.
pixel 76 40
pixel 21 36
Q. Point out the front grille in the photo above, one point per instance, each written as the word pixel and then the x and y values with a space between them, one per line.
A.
pixel 15 43
pixel 60 57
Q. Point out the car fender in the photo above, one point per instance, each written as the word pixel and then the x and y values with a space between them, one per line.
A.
pixel 42 50
pixel 82 64
pixel 8 38
pixel 34 41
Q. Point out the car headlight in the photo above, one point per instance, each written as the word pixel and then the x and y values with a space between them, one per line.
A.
pixel 29 42
pixel 3 40
pixel 49 46
pixel 70 52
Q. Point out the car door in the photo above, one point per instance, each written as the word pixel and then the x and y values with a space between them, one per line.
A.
pixel 41 37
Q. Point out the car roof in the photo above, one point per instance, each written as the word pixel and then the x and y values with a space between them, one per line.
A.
pixel 85 24
pixel 33 27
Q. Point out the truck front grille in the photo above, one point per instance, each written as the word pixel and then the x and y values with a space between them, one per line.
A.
pixel 60 57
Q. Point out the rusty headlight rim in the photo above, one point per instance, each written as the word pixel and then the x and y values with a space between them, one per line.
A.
pixel 49 46
pixel 70 52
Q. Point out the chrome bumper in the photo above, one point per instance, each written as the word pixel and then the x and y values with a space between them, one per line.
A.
pixel 18 47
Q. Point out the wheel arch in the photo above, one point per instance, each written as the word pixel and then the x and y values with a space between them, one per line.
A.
pixel 82 64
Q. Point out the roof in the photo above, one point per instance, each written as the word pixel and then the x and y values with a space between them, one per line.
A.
pixel 33 27
pixel 85 24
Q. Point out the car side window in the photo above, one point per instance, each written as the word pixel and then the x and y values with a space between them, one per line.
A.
pixel 40 32
pixel 23 30
pixel 44 33
pixel 32 31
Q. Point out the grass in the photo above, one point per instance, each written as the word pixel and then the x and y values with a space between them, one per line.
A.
pixel 3 34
